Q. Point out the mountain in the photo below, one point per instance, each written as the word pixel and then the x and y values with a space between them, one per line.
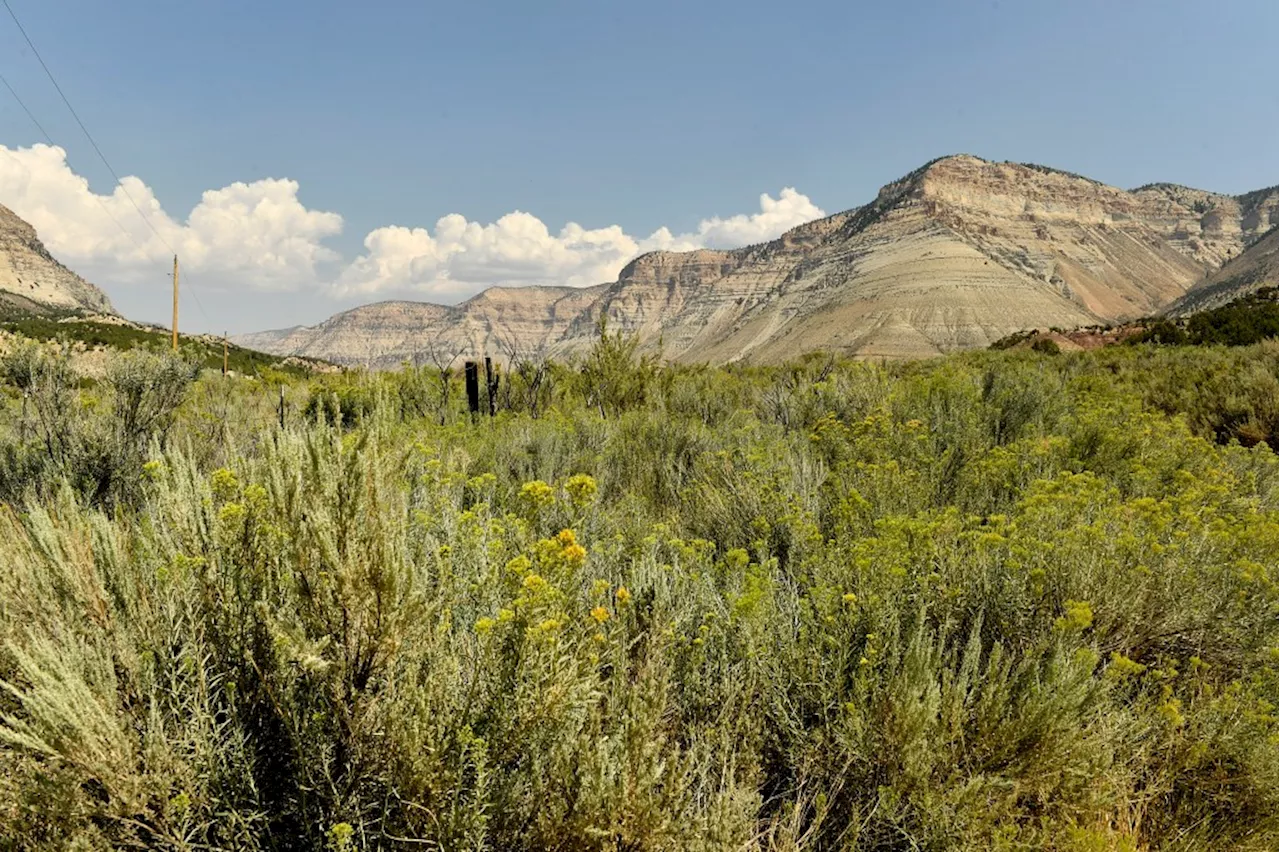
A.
pixel 957 254
pixel 32 280
pixel 499 321
pixel 1252 270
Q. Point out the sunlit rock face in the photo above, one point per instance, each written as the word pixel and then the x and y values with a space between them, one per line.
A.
pixel 31 277
pixel 957 254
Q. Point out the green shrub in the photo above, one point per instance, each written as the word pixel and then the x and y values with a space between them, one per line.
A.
pixel 1246 320
pixel 345 403
pixel 1161 331
pixel 100 456
pixel 612 377
pixel 1046 346
pixel 991 601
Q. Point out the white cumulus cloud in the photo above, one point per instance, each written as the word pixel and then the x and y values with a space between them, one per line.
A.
pixel 776 215
pixel 259 236
pixel 462 257
pixel 247 235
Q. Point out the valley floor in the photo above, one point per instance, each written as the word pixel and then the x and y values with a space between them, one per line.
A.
pixel 1001 600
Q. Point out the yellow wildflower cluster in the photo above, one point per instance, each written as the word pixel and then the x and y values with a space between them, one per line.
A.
pixel 231 513
pixel 255 496
pixel 483 482
pixel 563 551
pixel 538 494
pixel 545 630
pixel 1171 711
pixel 581 488
pixel 225 484
pixel 573 553
pixel 340 836
pixel 1121 667
pixel 1078 617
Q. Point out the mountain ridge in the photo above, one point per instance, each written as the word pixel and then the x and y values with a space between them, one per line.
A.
pixel 33 280
pixel 1253 269
pixel 955 254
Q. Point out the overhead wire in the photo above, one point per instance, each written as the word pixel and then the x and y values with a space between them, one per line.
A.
pixel 191 291
pixel 87 134
pixel 27 110
pixel 97 150
pixel 98 198
pixel 49 139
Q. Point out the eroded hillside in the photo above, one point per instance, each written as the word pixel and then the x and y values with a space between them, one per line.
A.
pixel 955 255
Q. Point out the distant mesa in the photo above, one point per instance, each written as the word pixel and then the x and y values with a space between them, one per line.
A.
pixel 957 254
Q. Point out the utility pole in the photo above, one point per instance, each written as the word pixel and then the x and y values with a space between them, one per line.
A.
pixel 224 353
pixel 175 303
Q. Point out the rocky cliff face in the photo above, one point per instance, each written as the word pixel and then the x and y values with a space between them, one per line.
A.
pixel 1251 270
pixel 517 322
pixel 30 277
pixel 955 255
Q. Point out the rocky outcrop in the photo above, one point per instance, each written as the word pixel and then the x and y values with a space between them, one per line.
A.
pixel 1210 227
pixel 31 279
pixel 955 255
pixel 516 322
pixel 1252 270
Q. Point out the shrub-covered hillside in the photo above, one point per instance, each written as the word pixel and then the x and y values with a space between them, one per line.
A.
pixel 90 334
pixel 1004 600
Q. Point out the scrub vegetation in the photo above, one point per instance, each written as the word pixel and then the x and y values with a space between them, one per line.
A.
pixel 1010 600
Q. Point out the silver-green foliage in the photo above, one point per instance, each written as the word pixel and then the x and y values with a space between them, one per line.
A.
pixel 990 602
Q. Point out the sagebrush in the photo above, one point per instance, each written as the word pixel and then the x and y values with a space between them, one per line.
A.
pixel 1005 600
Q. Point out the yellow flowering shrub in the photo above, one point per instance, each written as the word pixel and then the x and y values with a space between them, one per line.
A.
pixel 224 483
pixel 538 494
pixel 581 489
pixel 989 600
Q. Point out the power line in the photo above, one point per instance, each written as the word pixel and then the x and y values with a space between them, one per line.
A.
pixel 49 139
pixel 34 120
pixel 87 135
pixel 96 197
pixel 191 291
pixel 96 149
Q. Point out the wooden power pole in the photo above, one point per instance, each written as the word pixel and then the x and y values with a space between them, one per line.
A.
pixel 175 303
pixel 224 353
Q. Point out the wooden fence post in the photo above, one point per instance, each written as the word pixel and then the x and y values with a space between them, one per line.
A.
pixel 473 388
pixel 491 382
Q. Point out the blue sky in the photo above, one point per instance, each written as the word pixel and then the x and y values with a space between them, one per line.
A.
pixel 661 115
